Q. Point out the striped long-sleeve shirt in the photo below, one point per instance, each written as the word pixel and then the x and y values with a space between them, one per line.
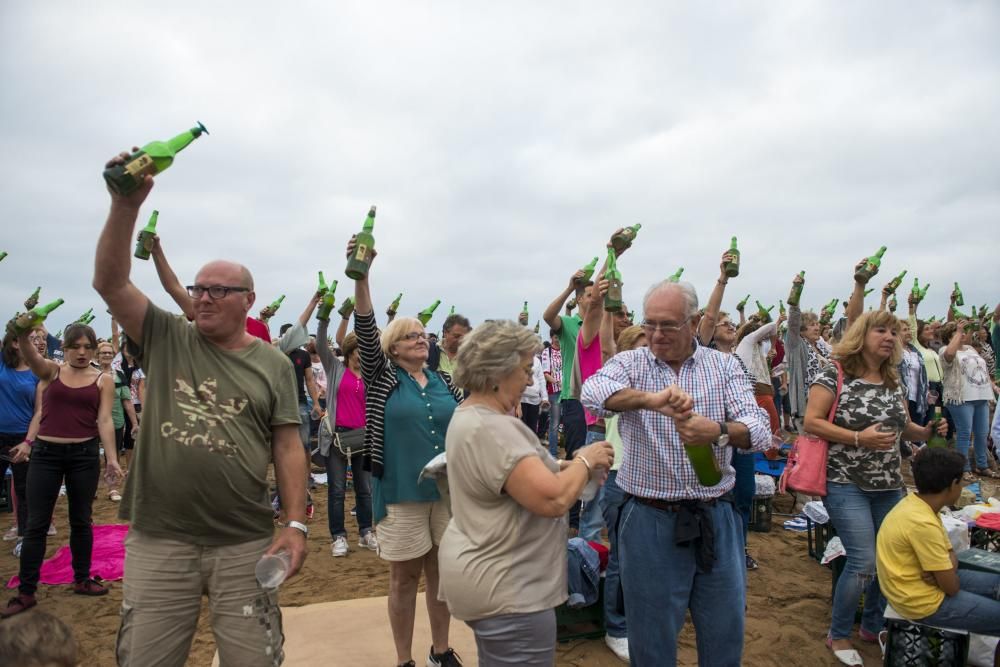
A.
pixel 654 464
pixel 379 374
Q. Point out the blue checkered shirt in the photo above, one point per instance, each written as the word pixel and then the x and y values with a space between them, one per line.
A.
pixel 654 464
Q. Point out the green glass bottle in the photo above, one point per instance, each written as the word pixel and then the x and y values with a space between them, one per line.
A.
pixel 538 326
pixel 622 240
pixel 522 317
pixel 933 318
pixel 915 291
pixel 321 287
pixel 893 304
pixel 364 243
pixel 394 306
pixel 144 242
pixel 570 305
pixel 3 255
pixel 150 160
pixel 795 296
pixel 764 313
pixel 869 268
pixel 743 304
pixel 631 317
pixel 25 322
pixel 588 273
pixel 346 308
pixel 956 295
pixel 732 268
pixel 702 459
pixel 781 308
pixel 896 282
pixel 32 300
pixel 869 291
pixel 326 306
pixel 59 335
pixel 271 309
pixel 452 311
pixel 675 277
pixel 923 292
pixel 613 297
pixel 83 318
pixel 90 318
pixel 427 313
pixel 937 440
pixel 959 315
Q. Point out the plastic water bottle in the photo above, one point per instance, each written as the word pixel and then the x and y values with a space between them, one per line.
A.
pixel 272 570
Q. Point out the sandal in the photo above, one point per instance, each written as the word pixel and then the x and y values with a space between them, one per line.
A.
pixel 986 472
pixel 968 477
pixel 90 586
pixel 848 657
pixel 17 604
pixel 115 497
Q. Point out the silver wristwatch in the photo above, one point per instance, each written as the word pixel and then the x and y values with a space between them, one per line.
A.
pixel 723 435
pixel 298 525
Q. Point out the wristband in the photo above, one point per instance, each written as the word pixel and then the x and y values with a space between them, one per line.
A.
pixel 585 461
pixel 30 442
pixel 298 525
pixel 856 434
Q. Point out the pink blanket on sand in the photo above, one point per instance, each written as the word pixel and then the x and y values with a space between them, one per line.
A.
pixel 107 559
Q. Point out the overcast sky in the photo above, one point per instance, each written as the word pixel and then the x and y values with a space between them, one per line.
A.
pixel 504 142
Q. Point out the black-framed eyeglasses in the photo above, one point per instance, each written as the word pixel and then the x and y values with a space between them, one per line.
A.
pixel 664 327
pixel 214 291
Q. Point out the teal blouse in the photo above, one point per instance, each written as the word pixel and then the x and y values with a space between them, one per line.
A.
pixel 416 419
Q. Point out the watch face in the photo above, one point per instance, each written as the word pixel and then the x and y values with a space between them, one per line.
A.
pixel 723 440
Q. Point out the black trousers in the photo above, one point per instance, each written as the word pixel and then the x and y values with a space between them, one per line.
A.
pixel 79 465
pixel 20 474
pixel 529 415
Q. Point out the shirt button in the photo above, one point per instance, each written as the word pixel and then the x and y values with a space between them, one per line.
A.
pixel 430 417
pixel 432 432
pixel 428 405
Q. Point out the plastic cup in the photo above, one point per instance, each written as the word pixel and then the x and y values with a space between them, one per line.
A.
pixel 272 569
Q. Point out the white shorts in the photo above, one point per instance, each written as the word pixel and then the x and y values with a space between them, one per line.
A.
pixel 411 530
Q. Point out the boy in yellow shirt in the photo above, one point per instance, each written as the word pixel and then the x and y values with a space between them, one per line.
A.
pixel 917 569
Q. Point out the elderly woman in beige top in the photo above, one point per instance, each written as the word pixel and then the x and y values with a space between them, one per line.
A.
pixel 502 560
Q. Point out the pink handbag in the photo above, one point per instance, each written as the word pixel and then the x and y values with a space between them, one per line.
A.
pixel 805 470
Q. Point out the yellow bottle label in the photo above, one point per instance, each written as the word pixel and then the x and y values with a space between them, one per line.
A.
pixel 140 166
pixel 361 254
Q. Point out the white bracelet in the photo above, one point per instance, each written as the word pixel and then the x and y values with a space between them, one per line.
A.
pixel 585 461
pixel 856 434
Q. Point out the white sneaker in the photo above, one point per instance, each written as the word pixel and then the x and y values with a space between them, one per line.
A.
pixel 618 646
pixel 369 541
pixel 11 534
pixel 52 530
pixel 339 546
pixel 17 549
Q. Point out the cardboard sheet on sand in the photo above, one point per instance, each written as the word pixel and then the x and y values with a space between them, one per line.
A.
pixel 356 632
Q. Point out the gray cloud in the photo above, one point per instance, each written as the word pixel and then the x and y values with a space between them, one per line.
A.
pixel 503 143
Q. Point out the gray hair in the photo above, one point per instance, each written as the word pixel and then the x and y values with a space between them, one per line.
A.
pixel 685 288
pixel 491 352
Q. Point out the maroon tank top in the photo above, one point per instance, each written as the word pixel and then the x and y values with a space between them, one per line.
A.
pixel 69 412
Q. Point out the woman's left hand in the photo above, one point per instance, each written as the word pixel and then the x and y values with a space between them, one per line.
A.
pixel 20 453
pixel 112 473
pixel 942 428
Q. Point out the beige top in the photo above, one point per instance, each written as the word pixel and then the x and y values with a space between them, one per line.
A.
pixel 496 557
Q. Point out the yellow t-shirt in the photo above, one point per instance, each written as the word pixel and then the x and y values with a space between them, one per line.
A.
pixel 912 541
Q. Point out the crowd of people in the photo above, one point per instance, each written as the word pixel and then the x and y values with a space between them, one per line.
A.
pixel 663 417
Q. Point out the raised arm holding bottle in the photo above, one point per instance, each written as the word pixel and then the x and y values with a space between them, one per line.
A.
pixel 706 327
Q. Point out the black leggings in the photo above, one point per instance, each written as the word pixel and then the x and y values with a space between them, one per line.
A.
pixel 20 474
pixel 80 465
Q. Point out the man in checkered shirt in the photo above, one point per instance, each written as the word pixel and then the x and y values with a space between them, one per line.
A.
pixel 681 544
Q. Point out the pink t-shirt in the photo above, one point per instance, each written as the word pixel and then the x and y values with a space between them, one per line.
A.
pixel 350 401
pixel 589 361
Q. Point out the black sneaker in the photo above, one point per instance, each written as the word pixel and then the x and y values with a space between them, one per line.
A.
pixel 751 563
pixel 447 659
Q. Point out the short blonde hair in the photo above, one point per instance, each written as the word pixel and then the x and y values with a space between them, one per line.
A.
pixel 629 337
pixel 491 352
pixel 850 349
pixel 37 639
pixel 396 331
pixel 808 318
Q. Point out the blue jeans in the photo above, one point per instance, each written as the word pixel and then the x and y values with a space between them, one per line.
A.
pixel 554 425
pixel 611 505
pixel 336 479
pixel 975 608
pixel 857 515
pixel 591 519
pixel 575 433
pixel 746 487
pixel 304 411
pixel 971 418
pixel 661 582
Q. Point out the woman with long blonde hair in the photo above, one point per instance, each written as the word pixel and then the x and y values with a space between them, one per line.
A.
pixel 863 473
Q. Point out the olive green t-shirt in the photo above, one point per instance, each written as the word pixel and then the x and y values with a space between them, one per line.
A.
pixel 200 475
pixel 496 557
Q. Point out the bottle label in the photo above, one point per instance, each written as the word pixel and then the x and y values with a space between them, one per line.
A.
pixel 361 254
pixel 140 166
pixel 614 292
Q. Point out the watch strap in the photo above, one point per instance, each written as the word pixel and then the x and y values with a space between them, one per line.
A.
pixel 298 525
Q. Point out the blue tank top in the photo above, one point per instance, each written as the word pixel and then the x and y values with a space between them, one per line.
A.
pixel 17 399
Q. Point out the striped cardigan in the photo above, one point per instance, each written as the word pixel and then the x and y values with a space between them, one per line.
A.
pixel 379 374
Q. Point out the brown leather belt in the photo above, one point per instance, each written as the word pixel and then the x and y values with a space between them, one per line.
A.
pixel 596 428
